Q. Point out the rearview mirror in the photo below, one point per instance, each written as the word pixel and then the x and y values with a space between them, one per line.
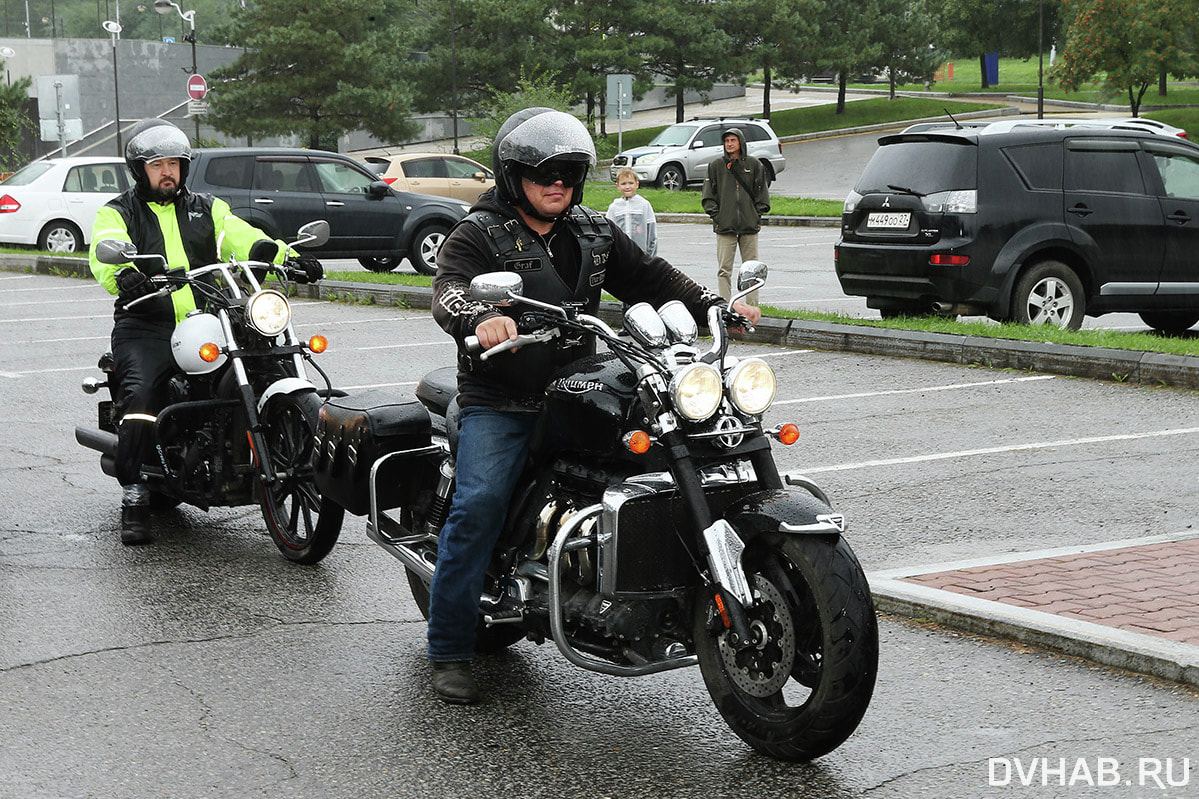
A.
pixel 313 234
pixel 751 273
pixel 115 251
pixel 496 288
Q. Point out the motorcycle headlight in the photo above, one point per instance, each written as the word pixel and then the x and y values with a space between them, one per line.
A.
pixel 696 391
pixel 268 312
pixel 751 386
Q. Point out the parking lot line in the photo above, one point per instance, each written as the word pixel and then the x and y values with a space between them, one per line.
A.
pixel 918 390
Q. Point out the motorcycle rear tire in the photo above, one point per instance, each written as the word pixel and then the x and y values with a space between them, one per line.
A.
pixel 303 524
pixel 488 640
pixel 804 691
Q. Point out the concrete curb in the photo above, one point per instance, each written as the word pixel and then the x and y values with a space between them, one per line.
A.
pixel 1096 363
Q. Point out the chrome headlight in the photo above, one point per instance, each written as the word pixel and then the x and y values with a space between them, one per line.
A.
pixel 751 386
pixel 696 391
pixel 268 312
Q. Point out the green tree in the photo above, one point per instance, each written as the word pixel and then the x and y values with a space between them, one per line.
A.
pixel 317 69
pixel 596 40
pixel 775 36
pixel 1127 42
pixel 847 41
pixel 905 32
pixel 1009 27
pixel 14 122
pixel 684 43
pixel 530 91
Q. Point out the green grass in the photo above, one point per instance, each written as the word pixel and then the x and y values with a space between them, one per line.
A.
pixel 600 194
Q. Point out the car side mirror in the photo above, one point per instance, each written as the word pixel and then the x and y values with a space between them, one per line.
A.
pixel 378 189
pixel 480 176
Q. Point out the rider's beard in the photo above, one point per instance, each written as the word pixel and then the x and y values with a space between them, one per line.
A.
pixel 165 195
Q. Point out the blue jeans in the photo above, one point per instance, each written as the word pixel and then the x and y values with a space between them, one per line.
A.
pixel 492 448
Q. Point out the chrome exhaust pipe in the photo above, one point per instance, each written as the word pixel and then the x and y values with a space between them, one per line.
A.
pixel 102 441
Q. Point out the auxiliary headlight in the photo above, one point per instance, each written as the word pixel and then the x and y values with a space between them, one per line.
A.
pixel 751 386
pixel 268 312
pixel 696 391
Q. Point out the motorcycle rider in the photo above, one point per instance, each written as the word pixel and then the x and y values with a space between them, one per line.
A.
pixel 159 215
pixel 532 222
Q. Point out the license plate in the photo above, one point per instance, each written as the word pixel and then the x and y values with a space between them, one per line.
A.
pixel 889 219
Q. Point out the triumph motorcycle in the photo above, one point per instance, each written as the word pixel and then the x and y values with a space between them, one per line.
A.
pixel 654 533
pixel 238 426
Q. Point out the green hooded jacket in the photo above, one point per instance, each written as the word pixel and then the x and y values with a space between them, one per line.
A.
pixel 736 191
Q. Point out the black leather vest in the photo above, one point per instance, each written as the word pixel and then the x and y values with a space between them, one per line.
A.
pixel 516 249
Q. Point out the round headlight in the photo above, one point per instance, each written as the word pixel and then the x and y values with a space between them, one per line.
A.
pixel 268 312
pixel 696 391
pixel 751 386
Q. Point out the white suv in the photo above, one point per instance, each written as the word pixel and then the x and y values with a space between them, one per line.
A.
pixel 51 204
pixel 680 154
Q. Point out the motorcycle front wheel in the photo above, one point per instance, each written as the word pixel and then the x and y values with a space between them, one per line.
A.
pixel 804 684
pixel 303 524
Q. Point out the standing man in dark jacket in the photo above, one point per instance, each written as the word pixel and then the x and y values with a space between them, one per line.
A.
pixel 159 215
pixel 530 223
pixel 736 195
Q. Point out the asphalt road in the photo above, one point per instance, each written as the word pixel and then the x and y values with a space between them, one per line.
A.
pixel 207 666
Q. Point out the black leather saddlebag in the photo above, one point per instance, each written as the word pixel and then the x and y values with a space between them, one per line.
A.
pixel 353 432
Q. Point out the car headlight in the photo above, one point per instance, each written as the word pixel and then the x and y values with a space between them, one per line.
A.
pixel 647 159
pixel 696 391
pixel 268 312
pixel 751 386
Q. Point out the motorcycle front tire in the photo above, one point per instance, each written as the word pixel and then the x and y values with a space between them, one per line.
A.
pixel 303 524
pixel 805 684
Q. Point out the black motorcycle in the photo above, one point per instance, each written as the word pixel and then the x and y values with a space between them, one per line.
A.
pixel 238 427
pixel 654 534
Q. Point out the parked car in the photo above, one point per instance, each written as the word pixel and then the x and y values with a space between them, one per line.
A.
pixel 1007 123
pixel 679 155
pixel 1035 225
pixel 278 189
pixel 50 204
pixel 433 173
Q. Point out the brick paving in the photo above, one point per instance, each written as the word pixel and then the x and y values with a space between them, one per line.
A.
pixel 1152 589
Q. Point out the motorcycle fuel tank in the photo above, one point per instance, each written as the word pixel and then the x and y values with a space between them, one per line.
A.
pixel 590 401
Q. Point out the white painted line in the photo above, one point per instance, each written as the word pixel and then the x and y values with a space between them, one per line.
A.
pixel 18 375
pixel 58 289
pixel 783 354
pixel 308 323
pixel 57 318
pixel 59 341
pixel 377 385
pixel 921 390
pixel 55 302
pixel 21 277
pixel 447 342
pixel 971 453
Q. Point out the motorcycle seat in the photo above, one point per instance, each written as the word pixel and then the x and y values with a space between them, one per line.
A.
pixel 437 389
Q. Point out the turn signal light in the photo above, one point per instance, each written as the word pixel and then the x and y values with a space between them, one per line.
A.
pixel 638 442
pixel 789 434
pixel 318 344
pixel 209 352
pixel 941 259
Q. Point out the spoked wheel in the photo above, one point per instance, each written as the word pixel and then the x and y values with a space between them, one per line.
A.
pixel 303 525
pixel 487 639
pixel 804 684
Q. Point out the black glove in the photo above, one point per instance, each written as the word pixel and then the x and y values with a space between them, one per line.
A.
pixel 264 250
pixel 132 284
pixel 306 269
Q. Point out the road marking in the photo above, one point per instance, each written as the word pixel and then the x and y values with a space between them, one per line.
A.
pixel 377 385
pixel 447 342
pixel 307 323
pixel 58 289
pixel 973 453
pixel 56 318
pixel 782 353
pixel 888 392
pixel 18 375
pixel 51 302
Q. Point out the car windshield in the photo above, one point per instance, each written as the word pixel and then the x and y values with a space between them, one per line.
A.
pixel 674 136
pixel 923 167
pixel 25 176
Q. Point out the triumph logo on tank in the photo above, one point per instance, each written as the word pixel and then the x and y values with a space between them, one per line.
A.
pixel 578 386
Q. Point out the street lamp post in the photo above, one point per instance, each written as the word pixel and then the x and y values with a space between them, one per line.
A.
pixel 1040 59
pixel 164 7
pixel 114 30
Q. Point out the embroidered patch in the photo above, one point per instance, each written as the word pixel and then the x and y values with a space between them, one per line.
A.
pixel 597 278
pixel 523 265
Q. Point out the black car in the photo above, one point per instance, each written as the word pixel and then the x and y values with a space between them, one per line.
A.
pixel 278 189
pixel 1030 225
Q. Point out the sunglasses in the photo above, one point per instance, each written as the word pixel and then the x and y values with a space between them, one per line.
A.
pixel 571 173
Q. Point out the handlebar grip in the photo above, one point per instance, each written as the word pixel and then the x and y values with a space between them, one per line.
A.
pixel 471 343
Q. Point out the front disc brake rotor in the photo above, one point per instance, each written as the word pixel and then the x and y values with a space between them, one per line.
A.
pixel 763 669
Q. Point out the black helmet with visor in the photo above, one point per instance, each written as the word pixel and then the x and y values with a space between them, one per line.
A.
pixel 153 140
pixel 545 146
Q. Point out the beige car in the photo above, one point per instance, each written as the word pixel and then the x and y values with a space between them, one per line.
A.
pixel 434 173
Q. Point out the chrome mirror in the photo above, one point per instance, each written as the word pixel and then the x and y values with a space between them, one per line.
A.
pixel 115 251
pixel 496 288
pixel 680 324
pixel 751 275
pixel 644 324
pixel 313 234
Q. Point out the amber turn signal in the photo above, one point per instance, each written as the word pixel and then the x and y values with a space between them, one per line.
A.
pixel 789 434
pixel 638 442
pixel 318 344
pixel 209 352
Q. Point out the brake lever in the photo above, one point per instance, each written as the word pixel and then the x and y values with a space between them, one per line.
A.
pixel 472 342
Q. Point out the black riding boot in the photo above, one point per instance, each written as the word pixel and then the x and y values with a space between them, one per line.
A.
pixel 135 515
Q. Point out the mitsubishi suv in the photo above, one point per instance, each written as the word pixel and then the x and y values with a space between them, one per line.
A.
pixel 1031 224
pixel 679 155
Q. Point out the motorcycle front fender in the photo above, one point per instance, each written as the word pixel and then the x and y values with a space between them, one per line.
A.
pixel 783 510
pixel 286 385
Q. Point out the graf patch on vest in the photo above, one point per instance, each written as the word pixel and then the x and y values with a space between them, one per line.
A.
pixel 523 265
pixel 597 278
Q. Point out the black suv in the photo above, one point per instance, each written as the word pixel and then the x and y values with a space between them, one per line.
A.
pixel 278 189
pixel 1030 225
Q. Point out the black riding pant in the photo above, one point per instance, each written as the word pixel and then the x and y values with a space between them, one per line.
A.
pixel 141 349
